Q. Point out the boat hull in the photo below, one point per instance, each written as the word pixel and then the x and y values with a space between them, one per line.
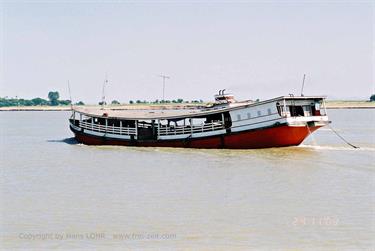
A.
pixel 277 136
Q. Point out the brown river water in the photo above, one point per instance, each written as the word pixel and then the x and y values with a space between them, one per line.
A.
pixel 59 195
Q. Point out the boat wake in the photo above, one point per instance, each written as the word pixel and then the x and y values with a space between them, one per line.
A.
pixel 336 148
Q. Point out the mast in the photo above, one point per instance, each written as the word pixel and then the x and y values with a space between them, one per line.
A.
pixel 303 84
pixel 70 96
pixel 164 77
pixel 103 90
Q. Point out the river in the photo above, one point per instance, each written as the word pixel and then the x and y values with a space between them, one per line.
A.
pixel 57 194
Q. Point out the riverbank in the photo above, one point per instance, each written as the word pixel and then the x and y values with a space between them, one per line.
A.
pixel 346 104
pixel 331 104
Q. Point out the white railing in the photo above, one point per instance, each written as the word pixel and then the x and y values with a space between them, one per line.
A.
pixel 162 130
pixel 108 129
pixel 190 130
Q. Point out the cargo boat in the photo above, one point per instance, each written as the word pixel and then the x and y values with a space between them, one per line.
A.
pixel 278 122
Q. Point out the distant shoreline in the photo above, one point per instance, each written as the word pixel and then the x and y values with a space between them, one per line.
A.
pixel 329 105
pixel 346 104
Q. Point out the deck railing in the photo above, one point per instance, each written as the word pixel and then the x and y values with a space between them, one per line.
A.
pixel 168 130
pixel 162 130
pixel 108 129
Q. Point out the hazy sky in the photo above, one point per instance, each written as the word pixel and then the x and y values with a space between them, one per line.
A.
pixel 254 49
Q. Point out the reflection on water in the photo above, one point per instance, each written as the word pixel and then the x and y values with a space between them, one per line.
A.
pixel 56 193
pixel 70 141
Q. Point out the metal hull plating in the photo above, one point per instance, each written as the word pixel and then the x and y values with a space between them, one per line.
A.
pixel 276 136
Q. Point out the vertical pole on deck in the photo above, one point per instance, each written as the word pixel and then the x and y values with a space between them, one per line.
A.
pixel 158 128
pixel 325 109
pixel 136 128
pixel 191 125
pixel 284 108
pixel 153 127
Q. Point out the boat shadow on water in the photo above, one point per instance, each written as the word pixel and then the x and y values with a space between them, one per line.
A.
pixel 69 141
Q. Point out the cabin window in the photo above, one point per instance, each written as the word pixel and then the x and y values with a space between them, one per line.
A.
pixel 259 113
pixel 227 120
pixel 315 109
pixel 214 118
pixel 198 121
pixel 100 121
pixel 279 108
pixel 128 123
pixel 269 111
pixel 249 115
pixel 238 116
pixel 296 110
pixel 317 106
pixel 307 110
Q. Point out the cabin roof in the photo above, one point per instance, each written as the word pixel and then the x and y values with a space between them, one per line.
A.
pixel 171 114
pixel 133 114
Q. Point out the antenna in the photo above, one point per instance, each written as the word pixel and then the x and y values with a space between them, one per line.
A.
pixel 164 77
pixel 303 84
pixel 103 90
pixel 70 96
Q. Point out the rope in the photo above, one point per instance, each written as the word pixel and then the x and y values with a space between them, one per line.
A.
pixel 338 135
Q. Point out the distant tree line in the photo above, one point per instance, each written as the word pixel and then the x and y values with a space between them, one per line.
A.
pixel 53 100
pixel 175 101
pixel 372 98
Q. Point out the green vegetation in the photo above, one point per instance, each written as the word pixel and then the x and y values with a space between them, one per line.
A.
pixel 53 100
pixel 372 98
pixel 115 102
pixel 39 101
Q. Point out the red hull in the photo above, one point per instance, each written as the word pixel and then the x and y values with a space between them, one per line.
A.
pixel 261 138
